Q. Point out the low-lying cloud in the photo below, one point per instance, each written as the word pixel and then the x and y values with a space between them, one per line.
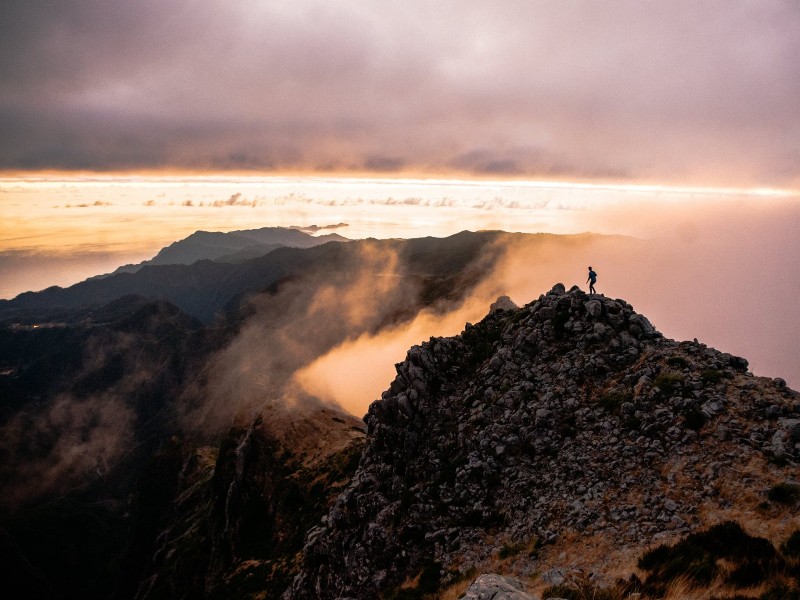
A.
pixel 290 328
pixel 73 441
pixel 84 427
pixel 94 204
pixel 235 200
pixel 317 228
pixel 724 275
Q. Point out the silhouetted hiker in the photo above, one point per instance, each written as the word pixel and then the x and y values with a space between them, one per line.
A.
pixel 592 278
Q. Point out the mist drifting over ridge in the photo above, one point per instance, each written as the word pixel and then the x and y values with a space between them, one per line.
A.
pixel 721 272
pixel 718 270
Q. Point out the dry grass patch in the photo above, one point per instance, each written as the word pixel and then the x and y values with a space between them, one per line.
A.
pixel 598 553
pixel 455 590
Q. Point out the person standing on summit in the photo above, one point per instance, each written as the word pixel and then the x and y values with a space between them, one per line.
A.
pixel 592 278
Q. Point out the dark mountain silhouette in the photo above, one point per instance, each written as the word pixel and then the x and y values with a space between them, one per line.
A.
pixel 233 246
pixel 206 288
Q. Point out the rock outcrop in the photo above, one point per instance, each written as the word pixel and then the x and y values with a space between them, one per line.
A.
pixel 568 419
pixel 236 518
pixel 496 587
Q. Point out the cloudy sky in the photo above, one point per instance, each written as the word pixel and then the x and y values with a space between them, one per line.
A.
pixel 702 93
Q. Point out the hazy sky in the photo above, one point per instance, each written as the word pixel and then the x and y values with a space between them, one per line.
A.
pixel 683 91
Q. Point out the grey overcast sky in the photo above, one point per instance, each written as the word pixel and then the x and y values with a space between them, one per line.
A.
pixel 682 92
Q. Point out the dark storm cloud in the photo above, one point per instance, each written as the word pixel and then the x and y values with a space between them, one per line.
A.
pixel 693 91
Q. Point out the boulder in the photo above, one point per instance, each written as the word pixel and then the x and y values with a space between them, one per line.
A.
pixel 594 308
pixel 503 303
pixel 496 587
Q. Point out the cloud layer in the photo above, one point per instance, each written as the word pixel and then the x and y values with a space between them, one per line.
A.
pixel 683 91
pixel 724 275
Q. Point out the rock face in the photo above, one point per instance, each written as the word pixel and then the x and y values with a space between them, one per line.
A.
pixel 237 515
pixel 496 587
pixel 571 416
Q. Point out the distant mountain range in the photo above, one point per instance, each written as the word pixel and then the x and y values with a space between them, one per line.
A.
pixel 207 287
pixel 232 246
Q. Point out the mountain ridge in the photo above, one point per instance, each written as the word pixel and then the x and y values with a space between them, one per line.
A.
pixel 207 288
pixel 544 428
pixel 231 246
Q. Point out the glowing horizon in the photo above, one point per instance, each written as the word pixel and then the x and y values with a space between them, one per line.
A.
pixel 95 222
pixel 157 177
pixel 141 213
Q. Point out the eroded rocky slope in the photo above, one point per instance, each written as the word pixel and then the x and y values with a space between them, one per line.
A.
pixel 568 432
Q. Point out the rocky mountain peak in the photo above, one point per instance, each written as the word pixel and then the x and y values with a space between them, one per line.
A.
pixel 568 423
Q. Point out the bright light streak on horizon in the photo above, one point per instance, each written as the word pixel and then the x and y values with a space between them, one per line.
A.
pixel 54 180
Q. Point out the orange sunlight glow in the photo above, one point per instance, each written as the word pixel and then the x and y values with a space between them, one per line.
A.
pixel 122 212
pixel 94 222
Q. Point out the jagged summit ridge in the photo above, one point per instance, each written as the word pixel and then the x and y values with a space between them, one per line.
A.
pixel 571 414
